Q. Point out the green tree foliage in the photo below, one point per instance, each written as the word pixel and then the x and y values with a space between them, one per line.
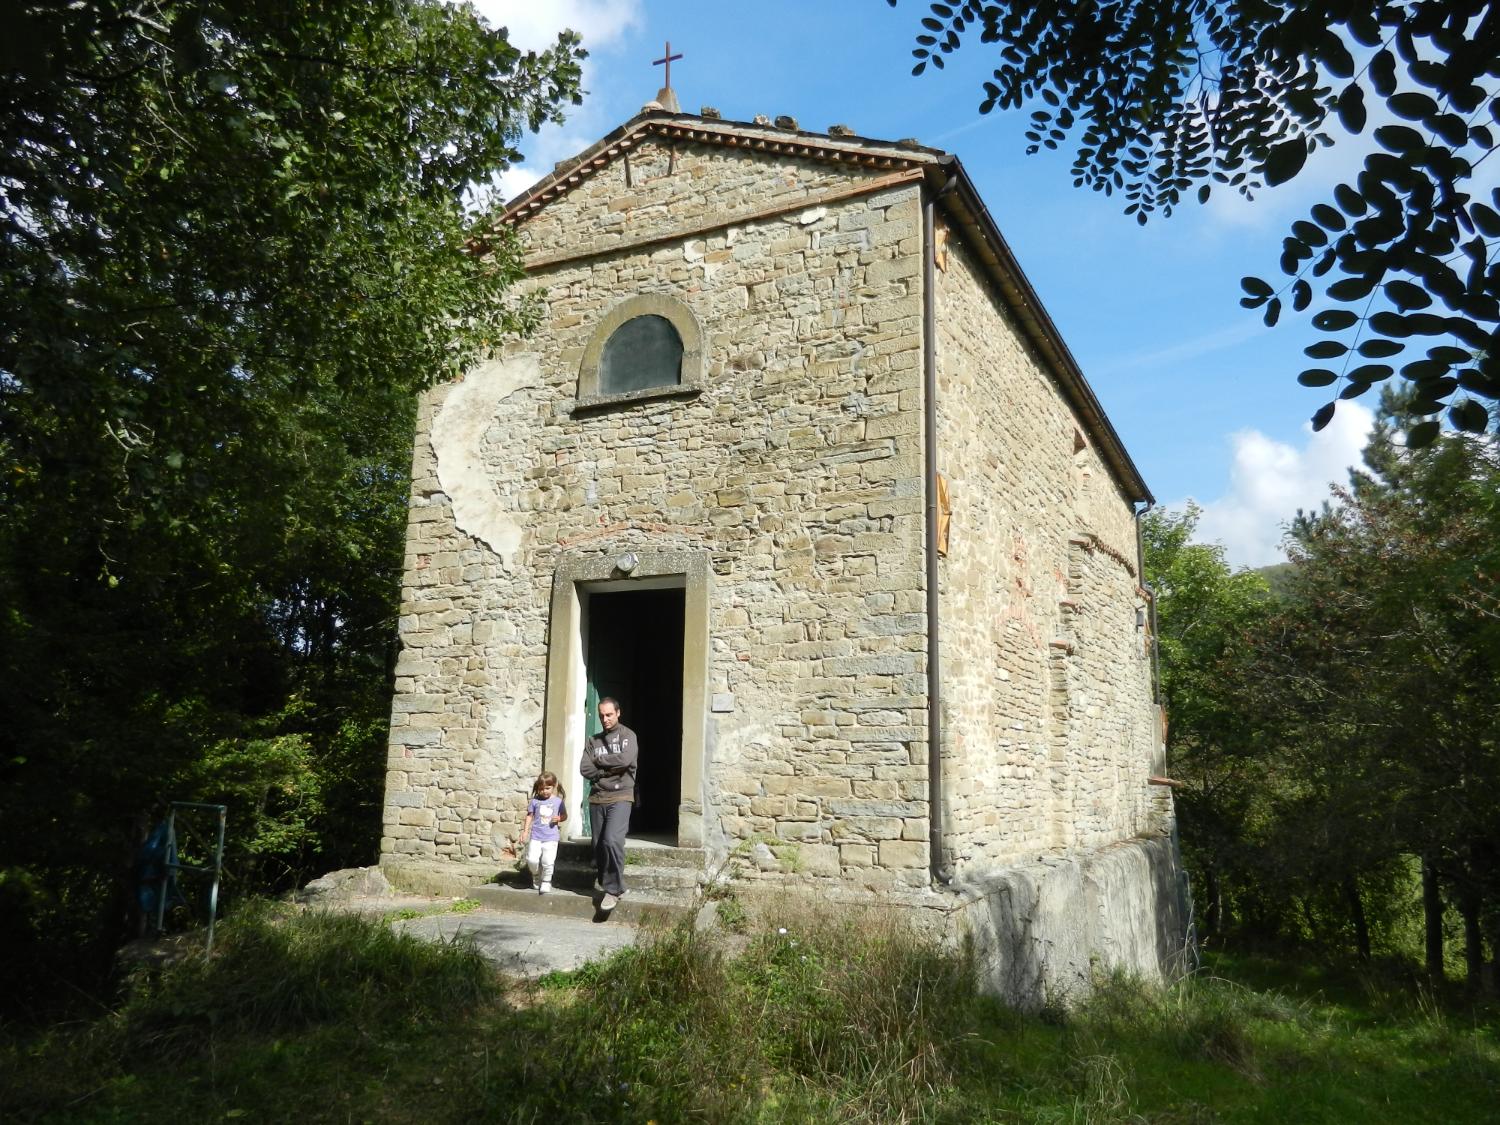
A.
pixel 1398 593
pixel 1207 617
pixel 1167 101
pixel 234 243
pixel 1339 735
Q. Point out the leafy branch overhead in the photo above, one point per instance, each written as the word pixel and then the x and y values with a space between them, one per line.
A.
pixel 1170 100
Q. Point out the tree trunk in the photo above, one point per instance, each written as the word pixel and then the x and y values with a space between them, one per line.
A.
pixel 1211 916
pixel 1468 907
pixel 1492 969
pixel 1309 921
pixel 1432 914
pixel 1356 907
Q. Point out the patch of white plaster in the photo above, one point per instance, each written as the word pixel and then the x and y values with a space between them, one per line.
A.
pixel 480 507
pixel 738 738
pixel 510 722
pixel 697 254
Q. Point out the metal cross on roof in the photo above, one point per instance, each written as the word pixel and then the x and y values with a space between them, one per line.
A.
pixel 666 61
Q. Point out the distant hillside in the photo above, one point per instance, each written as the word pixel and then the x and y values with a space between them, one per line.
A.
pixel 1278 576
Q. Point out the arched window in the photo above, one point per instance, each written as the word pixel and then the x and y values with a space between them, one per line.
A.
pixel 648 346
pixel 644 352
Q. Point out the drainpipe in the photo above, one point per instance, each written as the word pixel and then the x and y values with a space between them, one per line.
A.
pixel 940 871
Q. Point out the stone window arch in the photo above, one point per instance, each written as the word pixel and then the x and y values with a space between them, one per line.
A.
pixel 648 346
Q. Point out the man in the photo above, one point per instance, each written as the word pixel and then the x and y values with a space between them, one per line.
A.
pixel 609 762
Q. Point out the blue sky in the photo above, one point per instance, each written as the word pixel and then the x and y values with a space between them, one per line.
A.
pixel 1204 397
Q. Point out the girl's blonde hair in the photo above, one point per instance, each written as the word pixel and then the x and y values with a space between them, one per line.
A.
pixel 546 777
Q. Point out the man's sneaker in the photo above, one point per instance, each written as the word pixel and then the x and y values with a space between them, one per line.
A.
pixel 609 902
pixel 544 889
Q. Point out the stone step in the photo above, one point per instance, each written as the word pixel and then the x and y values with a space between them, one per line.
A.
pixel 570 903
pixel 579 875
pixel 638 853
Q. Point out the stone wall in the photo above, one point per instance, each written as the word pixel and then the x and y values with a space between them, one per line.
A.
pixel 661 187
pixel 1049 727
pixel 797 470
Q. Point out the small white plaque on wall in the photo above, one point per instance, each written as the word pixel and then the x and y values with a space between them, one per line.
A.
pixel 722 702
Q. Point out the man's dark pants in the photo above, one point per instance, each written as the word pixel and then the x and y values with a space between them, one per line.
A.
pixel 608 824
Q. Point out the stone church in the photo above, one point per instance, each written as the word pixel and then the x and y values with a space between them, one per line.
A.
pixel 798 469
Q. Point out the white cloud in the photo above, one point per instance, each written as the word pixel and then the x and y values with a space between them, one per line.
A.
pixel 534 24
pixel 1270 480
pixel 513 181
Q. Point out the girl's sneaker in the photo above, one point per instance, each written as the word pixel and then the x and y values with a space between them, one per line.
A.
pixel 544 889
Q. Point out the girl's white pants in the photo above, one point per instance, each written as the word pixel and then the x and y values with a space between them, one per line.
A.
pixel 541 855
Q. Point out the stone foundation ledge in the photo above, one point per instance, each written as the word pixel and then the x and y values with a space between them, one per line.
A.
pixel 1044 932
pixel 437 878
pixel 1041 933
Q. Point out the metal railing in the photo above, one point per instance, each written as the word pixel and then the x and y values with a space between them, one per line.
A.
pixel 173 864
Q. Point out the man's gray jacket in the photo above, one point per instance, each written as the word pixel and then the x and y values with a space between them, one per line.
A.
pixel 609 760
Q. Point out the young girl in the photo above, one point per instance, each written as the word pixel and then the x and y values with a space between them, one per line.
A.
pixel 544 812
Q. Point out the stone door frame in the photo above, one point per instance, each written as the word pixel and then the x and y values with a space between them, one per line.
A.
pixel 577 575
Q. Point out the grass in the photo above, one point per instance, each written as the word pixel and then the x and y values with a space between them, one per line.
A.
pixel 457 906
pixel 818 1018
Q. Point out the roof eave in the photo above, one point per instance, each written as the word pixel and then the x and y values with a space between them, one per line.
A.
pixel 964 205
pixel 752 135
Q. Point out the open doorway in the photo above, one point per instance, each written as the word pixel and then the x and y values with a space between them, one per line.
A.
pixel 633 651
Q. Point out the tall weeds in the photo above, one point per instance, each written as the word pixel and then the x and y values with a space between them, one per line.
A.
pixel 861 1010
pixel 815 1016
pixel 271 975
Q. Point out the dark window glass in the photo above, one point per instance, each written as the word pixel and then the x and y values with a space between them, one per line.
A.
pixel 643 352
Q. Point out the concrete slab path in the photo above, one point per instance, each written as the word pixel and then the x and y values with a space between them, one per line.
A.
pixel 522 932
pixel 526 945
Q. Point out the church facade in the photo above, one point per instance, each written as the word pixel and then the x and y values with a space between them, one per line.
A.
pixel 797 468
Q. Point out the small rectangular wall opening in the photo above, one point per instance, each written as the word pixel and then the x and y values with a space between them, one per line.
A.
pixel 633 651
